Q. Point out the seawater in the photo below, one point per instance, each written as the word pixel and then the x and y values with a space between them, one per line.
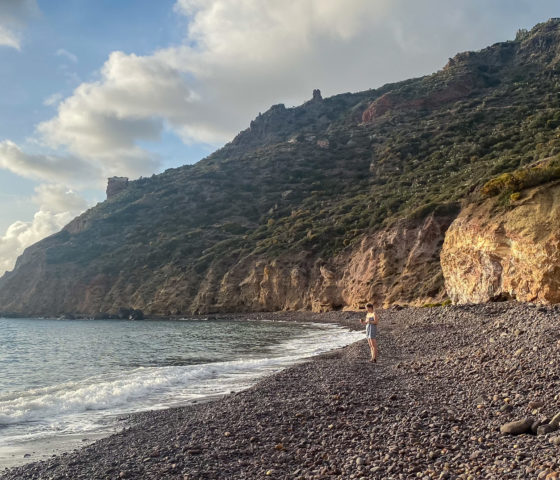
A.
pixel 76 377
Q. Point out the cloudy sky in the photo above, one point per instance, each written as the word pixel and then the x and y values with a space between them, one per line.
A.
pixel 95 88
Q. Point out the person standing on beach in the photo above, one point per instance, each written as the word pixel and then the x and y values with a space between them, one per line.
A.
pixel 371 321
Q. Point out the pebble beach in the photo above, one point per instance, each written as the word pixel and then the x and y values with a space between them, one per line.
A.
pixel 458 392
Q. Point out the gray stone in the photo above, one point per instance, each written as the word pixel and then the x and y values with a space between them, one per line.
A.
pixel 544 429
pixel 517 427
pixel 555 422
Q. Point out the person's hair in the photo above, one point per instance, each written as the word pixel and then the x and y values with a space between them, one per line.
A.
pixel 369 305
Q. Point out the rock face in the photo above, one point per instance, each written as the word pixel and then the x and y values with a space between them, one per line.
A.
pixel 490 253
pixel 116 185
pixel 399 264
pixel 458 89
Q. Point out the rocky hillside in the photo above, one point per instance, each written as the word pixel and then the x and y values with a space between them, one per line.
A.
pixel 322 206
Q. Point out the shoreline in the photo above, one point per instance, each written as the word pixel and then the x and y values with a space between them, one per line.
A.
pixel 33 450
pixel 432 407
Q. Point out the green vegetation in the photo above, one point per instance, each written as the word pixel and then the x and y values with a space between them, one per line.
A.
pixel 445 303
pixel 512 183
pixel 479 126
pixel 273 190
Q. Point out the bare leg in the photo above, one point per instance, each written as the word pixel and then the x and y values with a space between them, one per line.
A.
pixel 374 349
pixel 371 347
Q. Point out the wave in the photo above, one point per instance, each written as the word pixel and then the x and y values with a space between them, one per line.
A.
pixel 76 406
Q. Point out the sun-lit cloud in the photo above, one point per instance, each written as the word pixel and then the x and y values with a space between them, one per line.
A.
pixel 58 205
pixel 13 16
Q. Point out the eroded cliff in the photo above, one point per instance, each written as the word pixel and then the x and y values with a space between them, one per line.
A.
pixel 494 251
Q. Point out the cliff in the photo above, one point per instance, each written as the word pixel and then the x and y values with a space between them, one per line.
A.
pixel 492 252
pixel 322 206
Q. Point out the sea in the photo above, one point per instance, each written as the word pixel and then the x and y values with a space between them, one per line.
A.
pixel 63 382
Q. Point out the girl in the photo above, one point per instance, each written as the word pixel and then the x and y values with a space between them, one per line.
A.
pixel 371 322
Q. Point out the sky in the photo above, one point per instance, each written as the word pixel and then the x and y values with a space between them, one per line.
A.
pixel 95 88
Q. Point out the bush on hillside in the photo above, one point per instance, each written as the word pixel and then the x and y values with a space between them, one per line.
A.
pixel 511 182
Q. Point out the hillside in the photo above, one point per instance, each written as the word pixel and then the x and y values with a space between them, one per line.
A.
pixel 321 206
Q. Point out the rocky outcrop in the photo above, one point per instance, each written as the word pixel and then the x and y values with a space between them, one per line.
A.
pixel 458 89
pixel 380 106
pixel 491 253
pixel 116 185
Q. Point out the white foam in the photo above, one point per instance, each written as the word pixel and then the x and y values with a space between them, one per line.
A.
pixel 79 406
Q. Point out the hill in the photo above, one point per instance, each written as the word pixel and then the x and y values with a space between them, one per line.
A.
pixel 322 206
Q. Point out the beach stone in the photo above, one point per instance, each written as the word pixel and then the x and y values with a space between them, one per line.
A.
pixel 541 420
pixel 517 427
pixel 544 429
pixel 555 422
pixel 555 440
pixel 435 424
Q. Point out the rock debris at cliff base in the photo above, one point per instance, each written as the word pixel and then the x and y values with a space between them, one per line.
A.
pixel 447 381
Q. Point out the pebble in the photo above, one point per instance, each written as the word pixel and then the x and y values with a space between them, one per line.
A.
pixel 433 407
pixel 555 422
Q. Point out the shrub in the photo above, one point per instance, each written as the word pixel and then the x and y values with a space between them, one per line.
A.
pixel 522 179
pixel 514 197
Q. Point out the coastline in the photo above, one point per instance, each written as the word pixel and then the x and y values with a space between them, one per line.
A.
pixel 14 454
pixel 431 407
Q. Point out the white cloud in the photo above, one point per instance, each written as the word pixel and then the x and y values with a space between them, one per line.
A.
pixel 61 52
pixel 13 16
pixel 58 205
pixel 8 38
pixel 53 99
pixel 238 58
pixel 59 199
pixel 51 168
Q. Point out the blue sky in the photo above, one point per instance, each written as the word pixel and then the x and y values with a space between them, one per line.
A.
pixel 89 30
pixel 94 88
